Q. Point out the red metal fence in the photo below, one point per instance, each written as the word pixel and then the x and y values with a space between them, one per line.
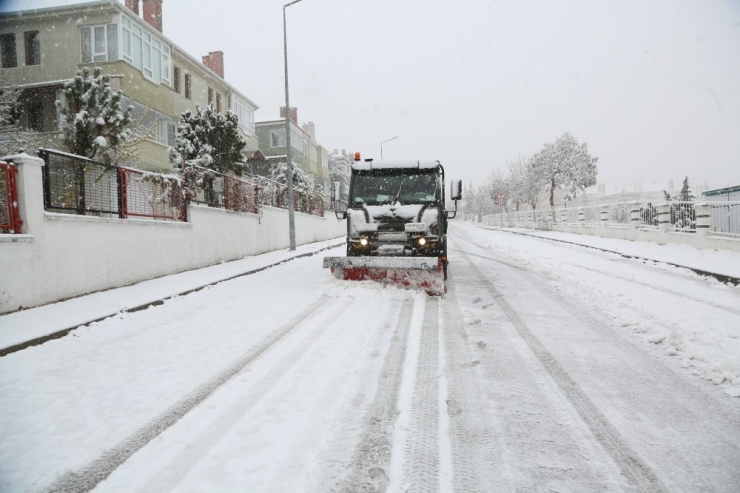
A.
pixel 10 221
pixel 77 185
pixel 276 194
pixel 149 195
pixel 240 195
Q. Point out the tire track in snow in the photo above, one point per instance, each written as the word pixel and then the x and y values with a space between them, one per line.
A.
pixel 587 249
pixel 88 477
pixel 661 289
pixel 680 294
pixel 616 336
pixel 637 473
pixel 421 464
pixel 471 441
pixel 372 455
pixel 646 392
pixel 173 475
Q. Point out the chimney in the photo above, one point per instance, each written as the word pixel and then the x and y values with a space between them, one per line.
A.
pixel 310 129
pixel 133 6
pixel 215 62
pixel 293 114
pixel 153 13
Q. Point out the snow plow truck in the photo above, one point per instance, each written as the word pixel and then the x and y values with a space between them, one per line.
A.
pixel 396 224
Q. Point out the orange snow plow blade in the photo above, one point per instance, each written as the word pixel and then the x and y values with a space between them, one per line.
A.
pixel 409 272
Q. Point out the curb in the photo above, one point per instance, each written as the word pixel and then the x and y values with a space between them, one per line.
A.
pixel 61 333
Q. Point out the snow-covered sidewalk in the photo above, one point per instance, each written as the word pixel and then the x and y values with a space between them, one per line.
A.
pixel 723 262
pixel 26 325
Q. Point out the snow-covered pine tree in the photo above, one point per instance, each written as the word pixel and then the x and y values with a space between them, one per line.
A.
pixel 279 173
pixel 210 140
pixel 685 194
pixel 92 118
pixel 12 137
pixel 565 164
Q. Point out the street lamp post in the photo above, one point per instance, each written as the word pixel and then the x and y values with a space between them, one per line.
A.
pixel 291 205
pixel 381 145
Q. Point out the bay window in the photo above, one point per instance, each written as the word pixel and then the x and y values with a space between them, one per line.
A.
pixel 145 52
pixel 244 112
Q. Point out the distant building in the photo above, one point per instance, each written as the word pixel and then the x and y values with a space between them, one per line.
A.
pixel 340 169
pixel 43 48
pixel 727 193
pixel 306 152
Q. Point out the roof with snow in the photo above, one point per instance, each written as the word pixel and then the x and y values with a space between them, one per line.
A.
pixel 722 191
pixel 371 165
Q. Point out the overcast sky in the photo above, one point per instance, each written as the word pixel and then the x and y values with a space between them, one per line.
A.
pixel 653 86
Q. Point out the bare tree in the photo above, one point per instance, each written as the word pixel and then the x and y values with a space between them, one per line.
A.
pixel 565 164
pixel 497 183
pixel 127 152
pixel 517 180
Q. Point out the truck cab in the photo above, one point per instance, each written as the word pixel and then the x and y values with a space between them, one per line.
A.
pixel 397 209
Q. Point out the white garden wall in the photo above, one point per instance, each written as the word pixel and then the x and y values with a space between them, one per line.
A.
pixel 61 255
pixel 700 239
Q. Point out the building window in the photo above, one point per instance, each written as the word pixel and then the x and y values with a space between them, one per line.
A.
pixel 161 132
pixel 244 112
pixel 7 50
pixel 99 43
pixel 33 48
pixel 210 95
pixel 161 126
pixel 188 87
pixel 146 52
pixel 277 138
pixel 218 102
pixel 36 116
pixel 176 80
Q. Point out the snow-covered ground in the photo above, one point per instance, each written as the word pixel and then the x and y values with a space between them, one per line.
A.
pixel 547 366
pixel 25 325
pixel 704 333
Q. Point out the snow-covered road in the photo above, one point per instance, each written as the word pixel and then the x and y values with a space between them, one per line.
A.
pixel 545 367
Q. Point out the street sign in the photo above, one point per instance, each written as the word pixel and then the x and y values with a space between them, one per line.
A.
pixel 501 198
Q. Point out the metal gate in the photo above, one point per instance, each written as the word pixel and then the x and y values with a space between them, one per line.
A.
pixel 10 221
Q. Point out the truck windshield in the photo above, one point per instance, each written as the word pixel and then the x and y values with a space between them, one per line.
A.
pixel 376 188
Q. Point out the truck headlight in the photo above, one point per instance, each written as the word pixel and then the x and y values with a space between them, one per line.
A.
pixel 422 241
pixel 363 241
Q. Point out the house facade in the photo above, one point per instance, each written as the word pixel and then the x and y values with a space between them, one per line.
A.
pixel 306 153
pixel 41 49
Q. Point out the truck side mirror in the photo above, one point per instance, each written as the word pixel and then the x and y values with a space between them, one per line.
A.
pixel 341 214
pixel 456 190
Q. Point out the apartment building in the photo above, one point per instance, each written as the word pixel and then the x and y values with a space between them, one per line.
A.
pixel 306 152
pixel 41 49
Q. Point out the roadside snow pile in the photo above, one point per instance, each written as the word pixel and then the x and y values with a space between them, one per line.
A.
pixel 681 314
